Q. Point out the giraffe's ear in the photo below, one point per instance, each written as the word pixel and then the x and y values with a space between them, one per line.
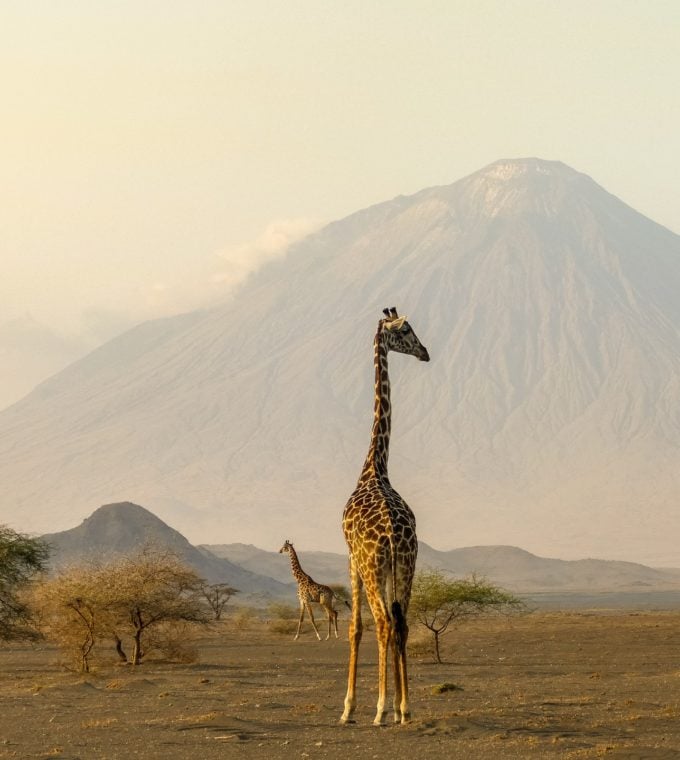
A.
pixel 395 324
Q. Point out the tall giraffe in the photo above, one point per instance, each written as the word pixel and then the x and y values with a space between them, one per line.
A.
pixel 310 591
pixel 380 531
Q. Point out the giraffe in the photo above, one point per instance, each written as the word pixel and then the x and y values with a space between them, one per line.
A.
pixel 310 591
pixel 380 531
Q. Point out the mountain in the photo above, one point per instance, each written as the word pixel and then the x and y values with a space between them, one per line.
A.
pixel 118 529
pixel 30 352
pixel 508 566
pixel 549 416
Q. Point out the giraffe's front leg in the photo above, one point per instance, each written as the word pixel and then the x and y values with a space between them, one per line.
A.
pixel 302 614
pixel 355 631
pixel 311 617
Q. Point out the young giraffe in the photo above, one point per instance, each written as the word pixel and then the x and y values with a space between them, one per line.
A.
pixel 310 591
pixel 380 531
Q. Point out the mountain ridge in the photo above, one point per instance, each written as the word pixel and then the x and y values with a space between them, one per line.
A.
pixel 508 566
pixel 123 528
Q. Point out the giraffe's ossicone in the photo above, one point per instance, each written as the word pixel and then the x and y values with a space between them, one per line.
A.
pixel 380 530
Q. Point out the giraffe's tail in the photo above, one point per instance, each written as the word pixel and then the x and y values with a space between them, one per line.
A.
pixel 340 599
pixel 398 619
pixel 399 626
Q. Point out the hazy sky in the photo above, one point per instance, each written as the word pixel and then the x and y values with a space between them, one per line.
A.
pixel 152 151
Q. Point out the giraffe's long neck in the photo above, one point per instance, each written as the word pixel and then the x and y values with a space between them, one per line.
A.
pixel 298 573
pixel 378 452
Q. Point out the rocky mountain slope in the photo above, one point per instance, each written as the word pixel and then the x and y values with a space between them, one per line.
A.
pixel 121 529
pixel 549 416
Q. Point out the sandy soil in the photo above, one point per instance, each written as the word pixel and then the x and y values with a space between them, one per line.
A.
pixel 548 684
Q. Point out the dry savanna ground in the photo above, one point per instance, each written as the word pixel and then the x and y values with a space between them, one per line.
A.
pixel 575 684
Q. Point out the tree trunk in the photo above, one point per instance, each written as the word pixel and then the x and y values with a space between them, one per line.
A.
pixel 436 646
pixel 85 650
pixel 137 649
pixel 119 648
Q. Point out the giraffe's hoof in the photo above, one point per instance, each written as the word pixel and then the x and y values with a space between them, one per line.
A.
pixel 346 721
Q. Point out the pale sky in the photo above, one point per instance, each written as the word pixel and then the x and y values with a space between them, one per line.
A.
pixel 142 141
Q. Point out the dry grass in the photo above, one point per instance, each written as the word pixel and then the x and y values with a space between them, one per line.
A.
pixel 99 723
pixel 547 685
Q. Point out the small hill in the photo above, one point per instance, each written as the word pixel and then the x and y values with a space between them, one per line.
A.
pixel 117 529
pixel 520 570
pixel 513 568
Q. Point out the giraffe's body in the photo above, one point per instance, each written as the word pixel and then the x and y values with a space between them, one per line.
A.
pixel 380 531
pixel 310 591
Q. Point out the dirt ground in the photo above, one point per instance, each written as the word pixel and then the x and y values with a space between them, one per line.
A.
pixel 545 685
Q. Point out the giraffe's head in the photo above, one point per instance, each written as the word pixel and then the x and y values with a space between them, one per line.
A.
pixel 400 337
pixel 287 546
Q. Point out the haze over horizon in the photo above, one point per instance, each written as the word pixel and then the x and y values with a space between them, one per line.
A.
pixel 155 154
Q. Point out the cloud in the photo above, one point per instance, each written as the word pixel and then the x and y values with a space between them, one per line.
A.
pixel 242 260
pixel 30 352
pixel 201 284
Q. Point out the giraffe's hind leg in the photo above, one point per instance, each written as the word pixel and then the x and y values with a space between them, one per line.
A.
pixel 402 711
pixel 331 614
pixel 382 633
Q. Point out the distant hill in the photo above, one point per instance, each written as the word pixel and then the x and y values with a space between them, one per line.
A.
pixel 521 571
pixel 508 566
pixel 117 529
pixel 324 567
pixel 30 352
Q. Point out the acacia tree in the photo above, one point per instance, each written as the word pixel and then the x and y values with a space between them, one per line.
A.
pixel 21 557
pixel 217 595
pixel 132 596
pixel 149 589
pixel 72 612
pixel 437 601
